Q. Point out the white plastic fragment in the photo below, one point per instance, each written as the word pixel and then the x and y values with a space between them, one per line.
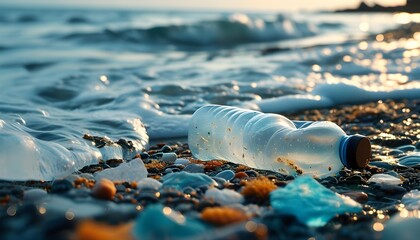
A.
pixel 131 171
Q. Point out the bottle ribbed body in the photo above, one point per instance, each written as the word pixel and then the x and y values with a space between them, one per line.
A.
pixel 265 141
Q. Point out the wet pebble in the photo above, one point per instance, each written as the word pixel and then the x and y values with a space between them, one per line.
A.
pixel 62 185
pixel 226 174
pixel 224 196
pixel 169 157
pixel 147 197
pixel 33 195
pixel 407 148
pixel 355 179
pixel 252 173
pixel 182 161
pixel 184 179
pixel 382 164
pixel 384 179
pixel 144 155
pixel 391 189
pixel 411 160
pixel 104 189
pixel 360 197
pixel 241 175
pixel 220 181
pixel 166 149
pixel 194 168
pixel 149 183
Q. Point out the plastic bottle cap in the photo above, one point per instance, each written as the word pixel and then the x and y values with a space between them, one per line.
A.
pixel 357 152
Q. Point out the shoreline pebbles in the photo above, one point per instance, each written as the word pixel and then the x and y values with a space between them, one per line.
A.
pixel 218 199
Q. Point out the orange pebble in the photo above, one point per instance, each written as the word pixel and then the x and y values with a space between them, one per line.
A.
pixel 222 216
pixel 241 175
pixel 104 189
pixel 91 230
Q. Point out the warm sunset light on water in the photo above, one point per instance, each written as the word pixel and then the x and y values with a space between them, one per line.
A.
pixel 270 5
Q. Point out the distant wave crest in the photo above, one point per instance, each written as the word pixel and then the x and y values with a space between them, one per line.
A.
pixel 233 30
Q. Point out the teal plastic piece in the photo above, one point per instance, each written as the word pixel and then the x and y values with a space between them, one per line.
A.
pixel 310 202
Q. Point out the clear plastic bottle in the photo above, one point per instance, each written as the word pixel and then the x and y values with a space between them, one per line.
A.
pixel 273 142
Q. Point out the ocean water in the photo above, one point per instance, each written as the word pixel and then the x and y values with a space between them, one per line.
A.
pixel 139 75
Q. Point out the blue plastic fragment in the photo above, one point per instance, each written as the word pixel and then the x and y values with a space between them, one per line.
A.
pixel 310 202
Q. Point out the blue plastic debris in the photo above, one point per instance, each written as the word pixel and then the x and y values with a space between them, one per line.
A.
pixel 310 202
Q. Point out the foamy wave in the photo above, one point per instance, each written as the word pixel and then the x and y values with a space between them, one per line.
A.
pixel 236 29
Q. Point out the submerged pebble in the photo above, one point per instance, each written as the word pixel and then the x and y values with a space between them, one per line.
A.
pixel 224 196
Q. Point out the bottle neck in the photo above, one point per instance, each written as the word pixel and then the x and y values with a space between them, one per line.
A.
pixel 343 148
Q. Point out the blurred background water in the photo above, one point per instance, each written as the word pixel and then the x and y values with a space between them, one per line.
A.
pixel 67 72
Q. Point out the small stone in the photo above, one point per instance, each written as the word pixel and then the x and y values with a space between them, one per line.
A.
pixel 224 197
pixel 407 148
pixel 34 195
pixel 384 179
pixel 355 179
pixel 183 179
pixel 382 164
pixel 104 189
pixel 194 168
pixel 251 173
pixel 220 181
pixel 144 155
pixel 360 197
pixel 169 157
pixel 411 200
pixel 62 185
pixel 182 161
pixel 149 183
pixel 166 149
pixel 411 160
pixel 241 175
pixel 226 174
